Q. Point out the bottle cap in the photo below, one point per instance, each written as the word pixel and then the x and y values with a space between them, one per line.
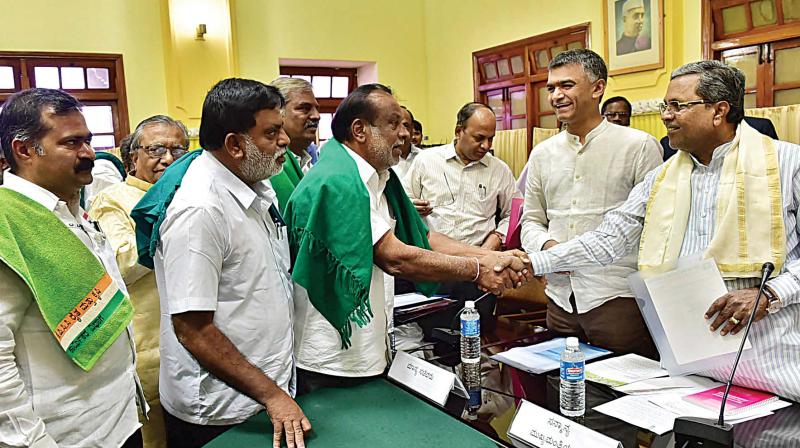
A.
pixel 572 342
pixel 469 304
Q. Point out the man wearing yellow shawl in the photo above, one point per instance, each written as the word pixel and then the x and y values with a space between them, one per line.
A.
pixel 731 194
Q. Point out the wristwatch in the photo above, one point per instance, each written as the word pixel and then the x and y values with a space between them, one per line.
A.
pixel 774 303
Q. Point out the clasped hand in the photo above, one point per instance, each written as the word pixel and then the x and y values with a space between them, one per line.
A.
pixel 504 270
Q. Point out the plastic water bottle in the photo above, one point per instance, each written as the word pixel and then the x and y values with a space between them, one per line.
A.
pixel 471 355
pixel 573 389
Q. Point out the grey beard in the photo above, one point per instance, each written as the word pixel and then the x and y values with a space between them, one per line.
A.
pixel 258 166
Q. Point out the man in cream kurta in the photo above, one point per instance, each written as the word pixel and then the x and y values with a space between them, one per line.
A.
pixel 574 178
pixel 111 208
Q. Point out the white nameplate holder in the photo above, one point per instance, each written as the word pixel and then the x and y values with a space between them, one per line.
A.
pixel 538 427
pixel 426 379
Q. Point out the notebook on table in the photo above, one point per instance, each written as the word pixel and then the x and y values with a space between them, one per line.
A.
pixel 740 399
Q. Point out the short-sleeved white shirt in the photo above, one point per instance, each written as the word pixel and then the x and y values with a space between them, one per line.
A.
pixel 319 346
pixel 221 251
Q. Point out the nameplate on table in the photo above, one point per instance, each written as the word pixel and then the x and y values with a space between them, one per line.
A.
pixel 541 428
pixel 424 378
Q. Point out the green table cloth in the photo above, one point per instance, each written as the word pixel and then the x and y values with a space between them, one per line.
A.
pixel 375 414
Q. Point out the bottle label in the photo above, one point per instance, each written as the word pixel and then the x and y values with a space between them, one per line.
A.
pixel 470 327
pixel 474 398
pixel 572 371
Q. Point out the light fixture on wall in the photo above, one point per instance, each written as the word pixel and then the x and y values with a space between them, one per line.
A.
pixel 200 32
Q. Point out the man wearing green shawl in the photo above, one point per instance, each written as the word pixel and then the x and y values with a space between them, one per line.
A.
pixel 351 228
pixel 66 352
pixel 300 121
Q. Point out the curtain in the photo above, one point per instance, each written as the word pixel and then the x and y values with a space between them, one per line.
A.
pixel 512 147
pixel 650 123
pixel 786 120
pixel 542 134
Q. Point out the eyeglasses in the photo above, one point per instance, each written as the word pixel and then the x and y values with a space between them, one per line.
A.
pixel 159 151
pixel 676 107
pixel 616 114
pixel 447 201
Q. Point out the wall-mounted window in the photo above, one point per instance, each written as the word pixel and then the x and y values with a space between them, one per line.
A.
pixel 331 85
pixel 97 80
pixel 761 38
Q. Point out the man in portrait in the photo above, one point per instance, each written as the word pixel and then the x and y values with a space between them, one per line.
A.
pixel 633 17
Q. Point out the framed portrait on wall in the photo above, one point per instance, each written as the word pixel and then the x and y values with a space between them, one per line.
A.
pixel 634 35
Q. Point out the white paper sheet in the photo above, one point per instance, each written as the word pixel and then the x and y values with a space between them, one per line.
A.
pixel 623 370
pixel 687 385
pixel 638 411
pixel 673 305
pixel 681 297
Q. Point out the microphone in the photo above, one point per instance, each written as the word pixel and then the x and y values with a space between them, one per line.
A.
pixel 707 433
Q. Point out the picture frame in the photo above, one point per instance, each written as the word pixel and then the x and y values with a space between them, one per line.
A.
pixel 634 35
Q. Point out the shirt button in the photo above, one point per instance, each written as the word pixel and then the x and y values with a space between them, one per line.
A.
pixel 572 226
pixel 574 201
pixel 577 177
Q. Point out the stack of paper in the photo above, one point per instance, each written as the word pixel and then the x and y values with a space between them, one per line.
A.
pixel 657 413
pixel 543 357
pixel 623 370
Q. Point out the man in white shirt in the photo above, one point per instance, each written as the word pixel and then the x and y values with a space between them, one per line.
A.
pixel 342 209
pixel 464 192
pixel 410 150
pixel 48 397
pixel 574 178
pixel 222 269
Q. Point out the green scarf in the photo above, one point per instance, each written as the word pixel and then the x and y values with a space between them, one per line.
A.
pixel 286 181
pixel 81 304
pixel 328 219
pixel 151 210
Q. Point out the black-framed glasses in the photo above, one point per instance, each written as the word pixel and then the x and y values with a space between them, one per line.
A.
pixel 159 151
pixel 447 202
pixel 677 107
pixel 616 114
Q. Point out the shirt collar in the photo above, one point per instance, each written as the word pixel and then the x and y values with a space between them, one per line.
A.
pixel 224 178
pixel 719 152
pixel 138 183
pixel 450 153
pixel 368 174
pixel 604 124
pixel 23 186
